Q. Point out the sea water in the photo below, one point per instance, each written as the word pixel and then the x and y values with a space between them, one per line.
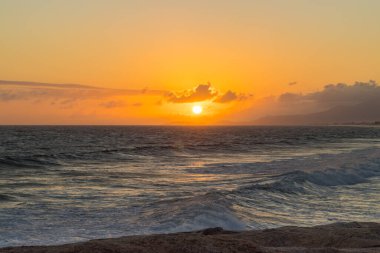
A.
pixel 61 184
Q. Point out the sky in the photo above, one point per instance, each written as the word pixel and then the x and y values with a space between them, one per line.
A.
pixel 151 61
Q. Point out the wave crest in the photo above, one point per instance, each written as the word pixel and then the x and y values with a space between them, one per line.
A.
pixel 301 181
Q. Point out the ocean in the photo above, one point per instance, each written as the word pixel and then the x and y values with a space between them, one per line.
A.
pixel 61 184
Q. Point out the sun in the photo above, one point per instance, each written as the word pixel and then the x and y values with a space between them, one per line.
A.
pixel 197 109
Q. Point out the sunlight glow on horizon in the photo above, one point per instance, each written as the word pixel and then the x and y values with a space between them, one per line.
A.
pixel 148 72
pixel 197 109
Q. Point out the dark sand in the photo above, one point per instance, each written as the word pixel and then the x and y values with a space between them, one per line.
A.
pixel 338 237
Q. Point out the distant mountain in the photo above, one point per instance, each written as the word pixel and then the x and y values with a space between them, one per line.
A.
pixel 368 111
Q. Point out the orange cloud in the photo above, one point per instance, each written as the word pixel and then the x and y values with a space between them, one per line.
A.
pixel 201 93
pixel 110 106
pixel 231 96
pixel 204 92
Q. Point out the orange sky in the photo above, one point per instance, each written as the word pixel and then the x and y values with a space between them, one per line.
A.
pixel 257 50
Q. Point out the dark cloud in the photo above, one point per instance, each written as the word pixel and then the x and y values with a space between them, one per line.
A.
pixel 336 94
pixel 201 93
pixel 344 93
pixel 335 103
pixel 290 98
pixel 292 83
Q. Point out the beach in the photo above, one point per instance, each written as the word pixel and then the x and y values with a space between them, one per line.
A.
pixel 354 237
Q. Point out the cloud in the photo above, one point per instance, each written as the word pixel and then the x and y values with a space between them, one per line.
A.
pixel 290 98
pixel 38 91
pixel 231 96
pixel 292 83
pixel 201 93
pixel 204 92
pixel 344 93
pixel 70 93
pixel 8 96
pixel 112 104
pixel 118 104
pixel 342 102
pixel 39 84
pixel 13 90
pixel 336 94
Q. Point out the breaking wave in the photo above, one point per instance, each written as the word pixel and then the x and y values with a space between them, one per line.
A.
pixel 300 181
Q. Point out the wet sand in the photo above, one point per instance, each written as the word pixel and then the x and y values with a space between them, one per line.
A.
pixel 333 238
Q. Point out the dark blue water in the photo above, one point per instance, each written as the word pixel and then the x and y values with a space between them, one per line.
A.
pixel 67 184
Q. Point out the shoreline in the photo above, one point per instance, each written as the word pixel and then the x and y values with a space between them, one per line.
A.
pixel 357 237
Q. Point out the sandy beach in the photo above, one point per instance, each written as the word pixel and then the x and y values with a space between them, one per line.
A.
pixel 338 237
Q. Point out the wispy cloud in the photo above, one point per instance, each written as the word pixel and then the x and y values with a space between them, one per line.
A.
pixel 113 104
pixel 119 104
pixel 50 85
pixel 38 91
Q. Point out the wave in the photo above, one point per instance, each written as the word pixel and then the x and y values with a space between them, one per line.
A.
pixel 302 181
pixel 6 198
pixel 34 161
pixel 83 155
pixel 195 213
